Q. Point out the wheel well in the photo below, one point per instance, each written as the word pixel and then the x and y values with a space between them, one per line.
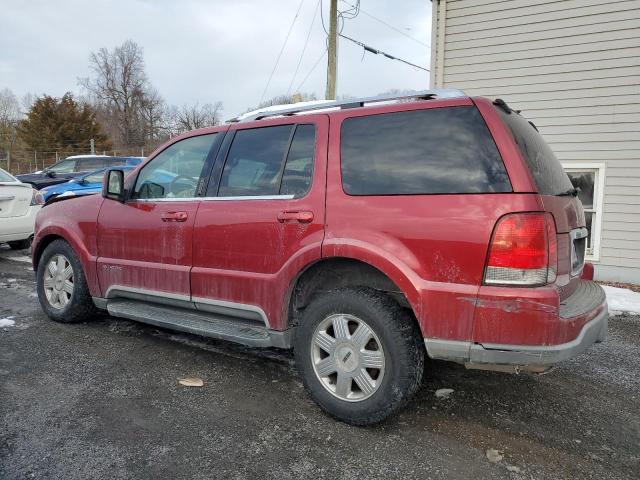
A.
pixel 334 273
pixel 42 244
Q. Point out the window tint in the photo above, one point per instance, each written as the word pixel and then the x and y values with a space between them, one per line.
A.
pixel 547 171
pixel 439 150
pixel 65 166
pixel 176 171
pixel 254 162
pixel 299 167
pixel 88 164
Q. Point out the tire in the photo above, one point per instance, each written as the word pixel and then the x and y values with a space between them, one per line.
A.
pixel 395 339
pixel 20 244
pixel 79 306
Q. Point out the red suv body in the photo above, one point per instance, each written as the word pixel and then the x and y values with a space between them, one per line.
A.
pixel 448 215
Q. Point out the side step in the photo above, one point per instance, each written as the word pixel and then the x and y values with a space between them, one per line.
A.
pixel 199 323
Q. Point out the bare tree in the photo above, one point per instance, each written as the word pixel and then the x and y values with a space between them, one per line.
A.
pixel 120 84
pixel 9 116
pixel 190 117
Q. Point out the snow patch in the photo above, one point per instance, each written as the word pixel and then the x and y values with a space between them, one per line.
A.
pixel 7 322
pixel 621 300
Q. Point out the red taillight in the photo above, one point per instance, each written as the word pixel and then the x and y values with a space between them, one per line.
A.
pixel 523 250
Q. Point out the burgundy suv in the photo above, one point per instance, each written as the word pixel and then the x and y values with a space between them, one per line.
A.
pixel 365 235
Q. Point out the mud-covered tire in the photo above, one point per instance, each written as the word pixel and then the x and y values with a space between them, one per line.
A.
pixel 400 345
pixel 20 244
pixel 79 307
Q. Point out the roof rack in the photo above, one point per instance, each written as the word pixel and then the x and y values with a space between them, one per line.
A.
pixel 350 103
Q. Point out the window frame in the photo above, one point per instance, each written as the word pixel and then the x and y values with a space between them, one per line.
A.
pixel 599 170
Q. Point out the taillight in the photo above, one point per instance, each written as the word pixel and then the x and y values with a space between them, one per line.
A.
pixel 36 198
pixel 523 250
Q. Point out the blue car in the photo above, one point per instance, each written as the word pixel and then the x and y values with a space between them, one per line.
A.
pixel 86 184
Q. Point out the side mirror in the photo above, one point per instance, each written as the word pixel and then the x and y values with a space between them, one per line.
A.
pixel 50 173
pixel 113 185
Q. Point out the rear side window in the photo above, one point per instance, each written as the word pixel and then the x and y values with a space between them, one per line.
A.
pixel 439 150
pixel 88 164
pixel 547 171
pixel 269 161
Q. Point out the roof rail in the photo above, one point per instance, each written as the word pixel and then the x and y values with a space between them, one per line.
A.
pixel 350 103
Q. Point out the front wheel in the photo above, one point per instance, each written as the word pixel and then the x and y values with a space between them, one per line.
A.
pixel 360 355
pixel 62 286
pixel 20 244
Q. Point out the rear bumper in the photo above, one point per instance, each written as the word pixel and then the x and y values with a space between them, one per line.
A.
pixel 580 321
pixel 526 355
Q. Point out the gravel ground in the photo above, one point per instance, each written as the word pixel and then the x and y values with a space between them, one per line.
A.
pixel 102 400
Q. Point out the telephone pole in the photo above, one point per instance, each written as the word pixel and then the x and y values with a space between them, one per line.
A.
pixel 332 66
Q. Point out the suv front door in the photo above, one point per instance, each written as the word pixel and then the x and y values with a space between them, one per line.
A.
pixel 145 244
pixel 262 219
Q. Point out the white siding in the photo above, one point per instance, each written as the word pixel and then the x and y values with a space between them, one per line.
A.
pixel 573 68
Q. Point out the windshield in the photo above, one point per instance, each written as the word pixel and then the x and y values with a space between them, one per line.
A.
pixel 95 177
pixel 546 169
pixel 65 166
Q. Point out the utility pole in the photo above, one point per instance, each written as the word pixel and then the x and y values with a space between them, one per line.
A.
pixel 93 146
pixel 332 62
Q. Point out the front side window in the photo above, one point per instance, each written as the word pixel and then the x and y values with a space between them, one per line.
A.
pixel 176 171
pixel 65 166
pixel 431 151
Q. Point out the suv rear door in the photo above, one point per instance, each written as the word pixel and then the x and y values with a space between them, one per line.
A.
pixel 145 243
pixel 262 219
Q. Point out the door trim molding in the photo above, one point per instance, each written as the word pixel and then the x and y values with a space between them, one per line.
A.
pixel 224 307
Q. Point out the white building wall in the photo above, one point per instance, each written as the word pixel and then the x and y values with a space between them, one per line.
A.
pixel 573 68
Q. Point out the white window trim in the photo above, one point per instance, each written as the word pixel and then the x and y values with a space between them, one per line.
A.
pixel 598 197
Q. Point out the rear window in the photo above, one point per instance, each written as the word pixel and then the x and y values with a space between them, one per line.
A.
pixel 438 150
pixel 547 171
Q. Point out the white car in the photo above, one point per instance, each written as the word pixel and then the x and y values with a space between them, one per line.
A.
pixel 19 205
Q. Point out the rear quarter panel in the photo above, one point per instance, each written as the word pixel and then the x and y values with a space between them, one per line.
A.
pixel 432 246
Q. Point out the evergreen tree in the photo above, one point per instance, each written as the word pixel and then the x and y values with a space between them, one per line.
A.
pixel 63 125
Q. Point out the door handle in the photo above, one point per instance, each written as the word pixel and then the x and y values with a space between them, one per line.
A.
pixel 174 217
pixel 302 216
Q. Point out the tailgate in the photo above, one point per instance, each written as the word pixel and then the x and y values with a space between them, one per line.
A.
pixel 15 199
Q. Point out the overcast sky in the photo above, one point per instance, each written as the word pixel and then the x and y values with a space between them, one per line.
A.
pixel 212 50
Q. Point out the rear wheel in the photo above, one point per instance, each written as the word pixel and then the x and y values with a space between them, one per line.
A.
pixel 20 244
pixel 62 286
pixel 360 355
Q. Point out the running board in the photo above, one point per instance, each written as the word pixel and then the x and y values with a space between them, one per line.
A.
pixel 199 323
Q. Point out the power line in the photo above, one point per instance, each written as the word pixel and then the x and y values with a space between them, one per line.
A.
pixel 367 48
pixel 312 69
pixel 304 48
pixel 388 25
pixel 281 50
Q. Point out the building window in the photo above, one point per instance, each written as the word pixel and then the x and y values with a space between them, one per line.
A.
pixel 588 178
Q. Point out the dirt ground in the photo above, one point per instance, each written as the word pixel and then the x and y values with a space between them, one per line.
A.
pixel 102 400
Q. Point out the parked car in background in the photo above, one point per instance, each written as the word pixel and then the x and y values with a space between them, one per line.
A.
pixel 74 166
pixel 366 236
pixel 86 184
pixel 19 204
